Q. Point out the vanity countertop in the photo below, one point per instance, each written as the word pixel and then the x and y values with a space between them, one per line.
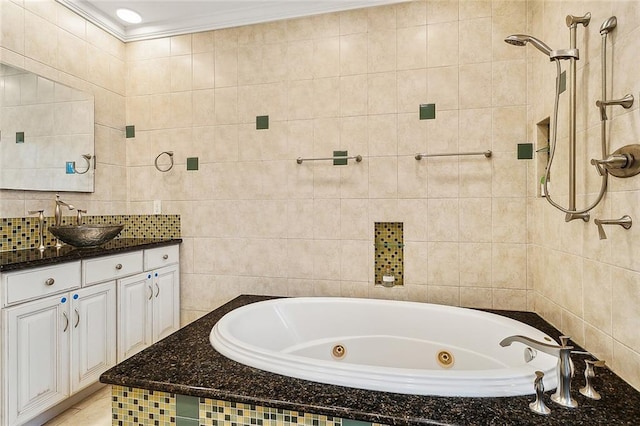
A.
pixel 31 258
pixel 185 363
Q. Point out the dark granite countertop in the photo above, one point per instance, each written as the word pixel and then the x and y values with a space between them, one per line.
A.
pixel 30 258
pixel 185 363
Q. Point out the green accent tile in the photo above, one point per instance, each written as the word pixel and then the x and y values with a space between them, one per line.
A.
pixel 19 137
pixel 130 131
pixel 563 81
pixel 181 421
pixel 187 406
pixel 340 161
pixel 525 151
pixel 262 122
pixel 192 163
pixel 347 422
pixel 427 111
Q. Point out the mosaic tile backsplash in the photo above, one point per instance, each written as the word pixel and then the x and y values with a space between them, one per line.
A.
pixel 132 406
pixel 22 232
pixel 389 251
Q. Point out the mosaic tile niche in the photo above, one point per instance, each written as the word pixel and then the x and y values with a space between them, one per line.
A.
pixel 22 232
pixel 133 406
pixel 389 252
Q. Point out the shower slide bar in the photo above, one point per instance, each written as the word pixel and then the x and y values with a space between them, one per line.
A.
pixel 487 154
pixel 358 158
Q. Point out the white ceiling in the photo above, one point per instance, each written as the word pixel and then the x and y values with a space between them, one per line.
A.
pixel 161 18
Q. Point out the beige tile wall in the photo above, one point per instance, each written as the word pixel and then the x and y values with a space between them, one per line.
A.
pixel 46 38
pixel 587 287
pixel 254 221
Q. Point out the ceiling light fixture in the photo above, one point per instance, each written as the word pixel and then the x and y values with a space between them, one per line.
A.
pixel 129 16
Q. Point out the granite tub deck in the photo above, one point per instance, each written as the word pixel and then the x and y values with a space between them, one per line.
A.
pixel 186 364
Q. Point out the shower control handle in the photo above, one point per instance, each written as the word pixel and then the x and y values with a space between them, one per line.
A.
pixel 625 221
pixel 615 161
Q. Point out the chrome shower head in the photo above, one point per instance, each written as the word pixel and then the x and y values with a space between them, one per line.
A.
pixel 523 39
pixel 608 25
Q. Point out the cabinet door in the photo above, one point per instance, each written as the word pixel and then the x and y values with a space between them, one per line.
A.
pixel 166 301
pixel 36 355
pixel 93 337
pixel 135 298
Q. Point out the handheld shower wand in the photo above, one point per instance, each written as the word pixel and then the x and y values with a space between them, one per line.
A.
pixel 572 54
pixel 523 39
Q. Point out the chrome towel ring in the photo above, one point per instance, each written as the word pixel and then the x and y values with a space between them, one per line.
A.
pixel 164 168
pixel 87 158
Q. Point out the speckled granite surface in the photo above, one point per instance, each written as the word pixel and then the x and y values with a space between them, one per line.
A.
pixel 185 363
pixel 30 258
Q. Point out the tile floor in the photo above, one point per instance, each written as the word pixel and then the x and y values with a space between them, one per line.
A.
pixel 95 410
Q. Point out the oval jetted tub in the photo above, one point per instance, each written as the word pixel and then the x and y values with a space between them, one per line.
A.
pixel 384 345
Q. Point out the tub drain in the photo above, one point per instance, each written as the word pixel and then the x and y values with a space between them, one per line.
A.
pixel 338 352
pixel 445 359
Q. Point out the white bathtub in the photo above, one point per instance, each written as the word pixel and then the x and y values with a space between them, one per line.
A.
pixel 388 346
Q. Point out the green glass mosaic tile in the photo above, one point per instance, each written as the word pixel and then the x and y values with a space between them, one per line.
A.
pixel 347 422
pixel 187 406
pixel 141 406
pixel 389 251
pixel 22 232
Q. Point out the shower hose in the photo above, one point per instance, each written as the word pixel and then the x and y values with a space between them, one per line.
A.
pixel 552 150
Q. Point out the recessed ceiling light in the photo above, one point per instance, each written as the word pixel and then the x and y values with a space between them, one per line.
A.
pixel 129 16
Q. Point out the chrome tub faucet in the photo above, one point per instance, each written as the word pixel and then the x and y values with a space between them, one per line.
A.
pixel 562 395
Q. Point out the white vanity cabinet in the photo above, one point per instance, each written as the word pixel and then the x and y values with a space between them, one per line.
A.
pixel 149 303
pixel 36 339
pixel 55 347
pixel 93 333
pixel 64 325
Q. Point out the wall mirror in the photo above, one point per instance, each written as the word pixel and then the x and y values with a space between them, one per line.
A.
pixel 46 134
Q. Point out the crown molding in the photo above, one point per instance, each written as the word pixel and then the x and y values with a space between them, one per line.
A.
pixel 245 13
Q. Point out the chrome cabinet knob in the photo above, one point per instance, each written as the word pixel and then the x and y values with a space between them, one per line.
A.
pixel 50 281
pixel 119 266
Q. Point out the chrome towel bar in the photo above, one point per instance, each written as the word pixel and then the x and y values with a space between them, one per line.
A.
pixel 358 159
pixel 487 154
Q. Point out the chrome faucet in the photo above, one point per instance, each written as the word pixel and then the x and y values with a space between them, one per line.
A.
pixel 58 215
pixel 562 395
pixel 40 214
pixel 58 211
